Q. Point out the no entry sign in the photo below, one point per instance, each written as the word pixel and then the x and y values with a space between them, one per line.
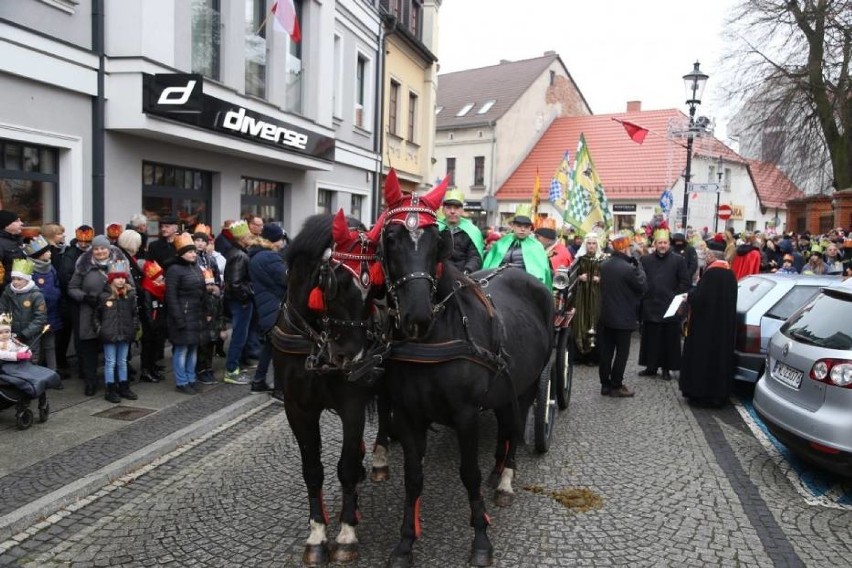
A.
pixel 725 212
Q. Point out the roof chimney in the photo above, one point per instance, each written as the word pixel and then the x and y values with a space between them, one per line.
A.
pixel 634 106
pixel 550 52
pixel 502 61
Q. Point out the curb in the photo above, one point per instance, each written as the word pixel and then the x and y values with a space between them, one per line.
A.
pixel 43 507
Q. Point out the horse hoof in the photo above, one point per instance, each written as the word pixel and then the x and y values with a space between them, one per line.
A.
pixel 315 555
pixel 482 557
pixel 404 561
pixel 380 474
pixel 345 554
pixel 503 498
pixel 494 479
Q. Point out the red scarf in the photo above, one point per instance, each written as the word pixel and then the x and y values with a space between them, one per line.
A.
pixel 156 290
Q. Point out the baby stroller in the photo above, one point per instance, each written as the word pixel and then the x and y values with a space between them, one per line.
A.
pixel 20 383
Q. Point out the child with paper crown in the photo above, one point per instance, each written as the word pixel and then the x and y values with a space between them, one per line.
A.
pixel 10 348
pixel 46 278
pixel 23 300
pixel 117 320
pixel 152 313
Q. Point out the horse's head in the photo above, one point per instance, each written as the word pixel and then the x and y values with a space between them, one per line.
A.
pixel 348 279
pixel 412 250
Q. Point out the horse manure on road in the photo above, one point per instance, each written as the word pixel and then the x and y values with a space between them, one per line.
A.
pixel 578 499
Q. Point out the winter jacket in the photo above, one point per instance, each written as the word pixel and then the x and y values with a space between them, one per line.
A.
pixel 237 281
pixel 747 261
pixel 185 293
pixel 623 284
pixel 667 276
pixel 465 255
pixel 48 283
pixel 28 309
pixel 152 311
pixel 690 255
pixel 268 273
pixel 86 286
pixel 67 264
pixel 10 249
pixel 117 318
pixel 163 252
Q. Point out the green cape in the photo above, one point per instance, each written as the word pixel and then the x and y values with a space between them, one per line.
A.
pixel 535 257
pixel 472 231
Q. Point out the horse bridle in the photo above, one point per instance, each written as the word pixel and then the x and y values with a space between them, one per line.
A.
pixel 412 223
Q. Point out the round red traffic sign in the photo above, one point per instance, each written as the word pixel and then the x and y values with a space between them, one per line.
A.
pixel 725 212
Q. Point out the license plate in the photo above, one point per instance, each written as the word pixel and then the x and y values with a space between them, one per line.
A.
pixel 787 375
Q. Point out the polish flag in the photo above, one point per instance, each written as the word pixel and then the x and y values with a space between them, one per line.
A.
pixel 285 19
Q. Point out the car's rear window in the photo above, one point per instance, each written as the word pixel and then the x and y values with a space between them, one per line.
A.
pixel 797 297
pixel 824 322
pixel 750 290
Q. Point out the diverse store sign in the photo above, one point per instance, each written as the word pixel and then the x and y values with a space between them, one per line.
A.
pixel 179 97
pixel 624 208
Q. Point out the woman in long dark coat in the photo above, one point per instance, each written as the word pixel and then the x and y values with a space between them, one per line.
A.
pixel 707 372
pixel 185 291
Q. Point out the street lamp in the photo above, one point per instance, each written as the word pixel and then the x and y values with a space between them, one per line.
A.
pixel 720 174
pixel 694 81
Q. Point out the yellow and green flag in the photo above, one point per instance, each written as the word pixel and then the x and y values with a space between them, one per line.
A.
pixel 586 204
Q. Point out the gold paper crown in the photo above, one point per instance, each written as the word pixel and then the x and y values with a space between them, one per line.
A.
pixel 151 269
pixel 36 246
pixel 118 267
pixel 84 233
pixel 5 320
pixel 201 228
pixel 114 230
pixel 23 266
pixel 454 195
pixel 184 240
pixel 661 234
pixel 239 229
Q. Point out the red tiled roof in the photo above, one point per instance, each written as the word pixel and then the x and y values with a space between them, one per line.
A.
pixel 627 170
pixel 773 188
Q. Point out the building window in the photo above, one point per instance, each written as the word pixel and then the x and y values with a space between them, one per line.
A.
pixel 29 181
pixel 465 109
pixel 360 90
pixel 552 77
pixel 396 8
pixel 255 47
pixel 414 18
pixel 324 201
pixel 173 190
pixel 486 106
pixel 451 171
pixel 357 206
pixel 711 174
pixel 479 171
pixel 393 108
pixel 205 38
pixel 438 110
pixel 294 81
pixel 337 98
pixel 412 116
pixel 262 198
pixel 726 180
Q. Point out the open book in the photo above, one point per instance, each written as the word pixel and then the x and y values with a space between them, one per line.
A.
pixel 677 301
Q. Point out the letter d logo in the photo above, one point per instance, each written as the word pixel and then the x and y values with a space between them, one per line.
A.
pixel 176 96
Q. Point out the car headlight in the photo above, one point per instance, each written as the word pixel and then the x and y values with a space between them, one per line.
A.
pixel 841 375
pixel 820 370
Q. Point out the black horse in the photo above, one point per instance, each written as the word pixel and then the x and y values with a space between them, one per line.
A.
pixel 465 345
pixel 322 335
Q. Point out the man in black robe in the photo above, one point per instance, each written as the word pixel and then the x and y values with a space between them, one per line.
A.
pixel 667 277
pixel 707 376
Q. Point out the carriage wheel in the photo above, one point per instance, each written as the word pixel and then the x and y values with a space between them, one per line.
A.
pixel 24 419
pixel 563 371
pixel 44 412
pixel 545 410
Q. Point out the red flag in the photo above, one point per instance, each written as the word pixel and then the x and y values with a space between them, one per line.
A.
pixel 285 19
pixel 636 132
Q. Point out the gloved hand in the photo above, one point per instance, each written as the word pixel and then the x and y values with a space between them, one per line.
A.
pixel 91 300
pixel 24 355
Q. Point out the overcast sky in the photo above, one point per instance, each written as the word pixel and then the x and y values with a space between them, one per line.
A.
pixel 616 50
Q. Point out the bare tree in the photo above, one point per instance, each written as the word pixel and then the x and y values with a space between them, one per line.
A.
pixel 789 64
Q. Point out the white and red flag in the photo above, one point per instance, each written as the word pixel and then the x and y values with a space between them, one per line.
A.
pixel 285 19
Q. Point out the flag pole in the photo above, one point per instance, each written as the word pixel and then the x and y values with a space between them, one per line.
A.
pixel 266 19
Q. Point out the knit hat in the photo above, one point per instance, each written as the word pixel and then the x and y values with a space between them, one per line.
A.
pixel 169 220
pixel 546 232
pixel 101 241
pixel 23 268
pixel 117 269
pixel 36 246
pixel 7 218
pixel 113 231
pixel 152 269
pixel 272 232
pixel 84 233
pixel 184 243
pixel 239 229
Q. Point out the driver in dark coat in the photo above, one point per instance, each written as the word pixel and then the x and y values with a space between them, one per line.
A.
pixel 708 351
pixel 667 277
pixel 462 233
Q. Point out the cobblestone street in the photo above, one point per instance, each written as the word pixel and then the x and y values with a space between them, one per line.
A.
pixel 678 487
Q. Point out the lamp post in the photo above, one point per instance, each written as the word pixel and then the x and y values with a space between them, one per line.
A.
pixel 720 174
pixel 694 81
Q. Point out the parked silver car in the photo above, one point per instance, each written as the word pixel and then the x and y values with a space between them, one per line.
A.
pixel 805 394
pixel 764 301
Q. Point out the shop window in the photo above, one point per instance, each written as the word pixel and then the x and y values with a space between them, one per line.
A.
pixel 324 198
pixel 255 47
pixel 262 198
pixel 206 37
pixel 173 190
pixel 29 182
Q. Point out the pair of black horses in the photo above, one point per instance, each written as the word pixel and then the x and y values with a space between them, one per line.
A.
pixel 451 346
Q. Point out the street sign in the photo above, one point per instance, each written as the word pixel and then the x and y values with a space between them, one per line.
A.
pixel 724 212
pixel 704 187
